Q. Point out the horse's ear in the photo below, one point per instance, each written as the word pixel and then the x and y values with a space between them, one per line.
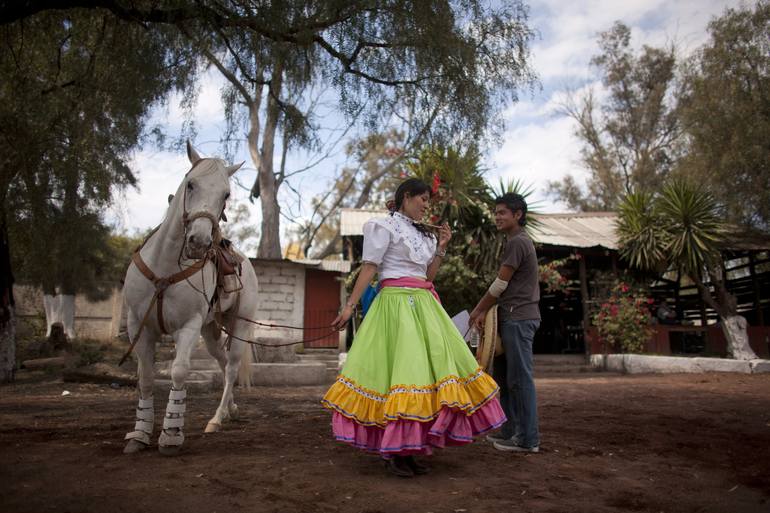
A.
pixel 192 154
pixel 232 169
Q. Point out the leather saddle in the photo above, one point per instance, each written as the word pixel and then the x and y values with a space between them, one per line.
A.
pixel 229 267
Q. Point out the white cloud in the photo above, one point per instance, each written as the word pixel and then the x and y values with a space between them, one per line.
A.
pixel 539 153
pixel 540 145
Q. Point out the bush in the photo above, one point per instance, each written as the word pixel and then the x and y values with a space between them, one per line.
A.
pixel 623 320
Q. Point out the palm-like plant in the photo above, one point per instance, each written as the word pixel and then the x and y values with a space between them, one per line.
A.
pixel 681 228
pixel 517 186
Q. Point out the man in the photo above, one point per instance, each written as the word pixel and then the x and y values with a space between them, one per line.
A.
pixel 517 292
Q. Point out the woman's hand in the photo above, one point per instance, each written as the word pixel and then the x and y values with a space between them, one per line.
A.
pixel 444 236
pixel 342 319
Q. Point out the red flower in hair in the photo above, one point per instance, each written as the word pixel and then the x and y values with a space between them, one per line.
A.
pixel 436 183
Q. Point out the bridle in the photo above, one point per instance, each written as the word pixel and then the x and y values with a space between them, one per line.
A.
pixel 188 218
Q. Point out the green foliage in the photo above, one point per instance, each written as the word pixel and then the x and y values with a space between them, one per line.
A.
pixel 623 320
pixel 679 227
pixel 726 113
pixel 550 276
pixel 77 86
pixel 632 140
pixel 642 240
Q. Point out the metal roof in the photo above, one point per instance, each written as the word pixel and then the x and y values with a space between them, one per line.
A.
pixel 339 266
pixel 582 230
pixel 352 219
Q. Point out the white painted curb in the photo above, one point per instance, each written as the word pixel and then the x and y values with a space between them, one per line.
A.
pixel 645 364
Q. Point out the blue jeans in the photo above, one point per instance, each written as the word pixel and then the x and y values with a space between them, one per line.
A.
pixel 513 373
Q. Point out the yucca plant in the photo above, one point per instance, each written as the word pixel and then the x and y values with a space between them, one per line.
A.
pixel 681 227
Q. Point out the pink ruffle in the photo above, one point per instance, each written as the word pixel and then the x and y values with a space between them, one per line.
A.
pixel 408 437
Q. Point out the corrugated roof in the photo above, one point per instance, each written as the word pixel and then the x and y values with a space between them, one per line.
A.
pixel 352 220
pixel 582 230
pixel 339 266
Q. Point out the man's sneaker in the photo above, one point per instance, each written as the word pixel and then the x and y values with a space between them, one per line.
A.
pixel 497 437
pixel 513 446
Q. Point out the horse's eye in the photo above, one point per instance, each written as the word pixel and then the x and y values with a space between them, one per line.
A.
pixel 190 186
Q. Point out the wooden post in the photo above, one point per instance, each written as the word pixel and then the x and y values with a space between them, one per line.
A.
pixel 584 300
pixel 755 286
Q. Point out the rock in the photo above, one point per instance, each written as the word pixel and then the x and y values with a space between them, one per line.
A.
pixel 760 366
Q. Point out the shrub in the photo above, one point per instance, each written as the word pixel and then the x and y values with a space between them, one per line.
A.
pixel 623 320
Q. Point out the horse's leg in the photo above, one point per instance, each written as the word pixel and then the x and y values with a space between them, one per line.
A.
pixel 211 336
pixel 227 407
pixel 139 438
pixel 172 436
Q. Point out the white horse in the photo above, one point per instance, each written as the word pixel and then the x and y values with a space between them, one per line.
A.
pixel 169 288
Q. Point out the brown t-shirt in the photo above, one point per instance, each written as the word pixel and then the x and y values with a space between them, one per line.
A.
pixel 519 300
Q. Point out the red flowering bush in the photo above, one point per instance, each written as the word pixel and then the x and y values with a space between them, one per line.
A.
pixel 550 276
pixel 623 320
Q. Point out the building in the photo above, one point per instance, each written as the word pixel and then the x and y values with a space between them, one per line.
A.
pixel 590 239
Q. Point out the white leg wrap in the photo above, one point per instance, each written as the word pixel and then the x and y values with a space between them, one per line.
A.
pixel 145 415
pixel 174 419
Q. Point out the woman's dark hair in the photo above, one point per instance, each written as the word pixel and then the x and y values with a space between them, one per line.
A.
pixel 514 202
pixel 412 187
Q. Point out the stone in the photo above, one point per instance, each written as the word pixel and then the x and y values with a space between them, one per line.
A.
pixel 760 366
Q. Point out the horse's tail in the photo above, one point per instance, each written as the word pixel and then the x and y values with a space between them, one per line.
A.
pixel 244 370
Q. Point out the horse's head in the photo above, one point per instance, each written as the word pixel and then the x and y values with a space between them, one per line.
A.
pixel 204 192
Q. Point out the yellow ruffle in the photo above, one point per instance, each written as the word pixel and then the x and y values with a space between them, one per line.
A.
pixel 410 402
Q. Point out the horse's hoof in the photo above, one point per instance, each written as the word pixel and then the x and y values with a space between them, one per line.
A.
pixel 134 446
pixel 212 427
pixel 170 450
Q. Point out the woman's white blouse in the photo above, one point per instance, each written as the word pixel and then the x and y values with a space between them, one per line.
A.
pixel 397 248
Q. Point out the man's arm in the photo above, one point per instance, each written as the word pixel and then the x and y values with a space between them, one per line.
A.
pixel 479 313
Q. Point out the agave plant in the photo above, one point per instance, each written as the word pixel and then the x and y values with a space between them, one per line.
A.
pixel 681 228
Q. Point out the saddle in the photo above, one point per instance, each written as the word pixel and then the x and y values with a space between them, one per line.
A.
pixel 229 267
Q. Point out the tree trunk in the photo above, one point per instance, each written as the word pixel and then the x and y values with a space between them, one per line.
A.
pixel 52 311
pixel 270 241
pixel 8 348
pixel 734 326
pixel 67 314
pixel 735 329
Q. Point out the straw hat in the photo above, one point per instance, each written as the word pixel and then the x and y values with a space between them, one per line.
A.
pixel 490 344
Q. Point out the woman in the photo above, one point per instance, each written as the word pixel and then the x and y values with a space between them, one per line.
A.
pixel 409 383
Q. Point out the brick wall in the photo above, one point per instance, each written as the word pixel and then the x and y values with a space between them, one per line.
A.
pixel 281 297
pixel 94 320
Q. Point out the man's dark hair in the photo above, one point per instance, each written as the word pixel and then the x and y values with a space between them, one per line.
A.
pixel 514 202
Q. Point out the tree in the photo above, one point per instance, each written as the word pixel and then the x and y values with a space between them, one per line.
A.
pixel 368 183
pixel 445 69
pixel 726 112
pixel 681 227
pixel 77 86
pixel 632 140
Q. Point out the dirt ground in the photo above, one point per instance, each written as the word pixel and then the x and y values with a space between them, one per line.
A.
pixel 682 443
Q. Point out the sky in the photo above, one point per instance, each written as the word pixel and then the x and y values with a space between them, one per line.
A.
pixel 538 146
